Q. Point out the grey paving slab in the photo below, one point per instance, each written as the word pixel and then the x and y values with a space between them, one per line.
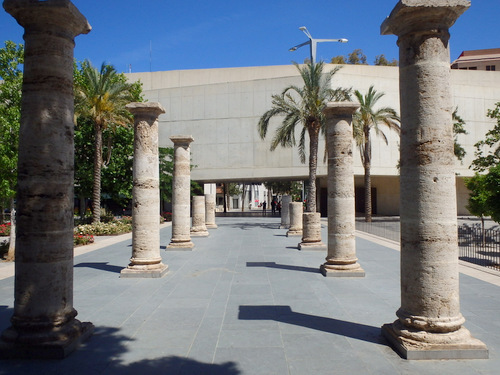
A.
pixel 246 301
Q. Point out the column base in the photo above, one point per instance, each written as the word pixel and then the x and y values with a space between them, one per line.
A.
pixel 200 234
pixel 58 349
pixel 185 245
pixel 436 345
pixel 284 226
pixel 294 233
pixel 329 270
pixel 159 270
pixel 211 226
pixel 313 246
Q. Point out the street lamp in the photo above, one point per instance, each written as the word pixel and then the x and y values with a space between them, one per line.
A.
pixel 313 42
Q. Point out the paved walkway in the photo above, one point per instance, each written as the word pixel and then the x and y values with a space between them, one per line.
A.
pixel 246 301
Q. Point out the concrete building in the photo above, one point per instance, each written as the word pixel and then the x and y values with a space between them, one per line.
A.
pixel 482 59
pixel 221 109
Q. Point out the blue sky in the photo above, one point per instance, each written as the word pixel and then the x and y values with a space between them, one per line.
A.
pixel 194 34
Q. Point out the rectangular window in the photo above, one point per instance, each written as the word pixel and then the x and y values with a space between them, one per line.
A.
pixel 490 68
pixel 472 67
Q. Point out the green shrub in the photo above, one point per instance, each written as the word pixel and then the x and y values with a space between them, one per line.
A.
pixel 104 229
pixel 5 230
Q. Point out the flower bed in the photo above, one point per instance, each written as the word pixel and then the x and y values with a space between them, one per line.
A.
pixel 5 230
pixel 82 239
pixel 104 229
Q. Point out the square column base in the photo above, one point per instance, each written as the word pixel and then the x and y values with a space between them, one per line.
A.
pixel 182 246
pixel 327 272
pixel 471 349
pixel 53 350
pixel 313 246
pixel 131 272
pixel 211 226
pixel 294 234
pixel 200 234
pixel 284 226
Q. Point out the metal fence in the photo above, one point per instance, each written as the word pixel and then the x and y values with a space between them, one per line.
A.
pixel 478 246
pixel 475 246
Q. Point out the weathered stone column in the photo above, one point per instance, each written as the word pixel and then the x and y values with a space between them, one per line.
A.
pixel 311 232
pixel 198 227
pixel 429 324
pixel 210 211
pixel 43 323
pixel 181 195
pixel 146 259
pixel 296 211
pixel 341 260
pixel 285 211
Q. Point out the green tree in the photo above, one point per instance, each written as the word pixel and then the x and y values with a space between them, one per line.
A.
pixel 478 198
pixel 338 60
pixel 493 186
pixel 365 120
pixel 488 149
pixel 356 57
pixel 303 105
pixel 382 61
pixel 11 59
pixel 458 128
pixel 100 97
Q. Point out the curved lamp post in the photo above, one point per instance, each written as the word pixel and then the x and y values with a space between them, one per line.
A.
pixel 313 43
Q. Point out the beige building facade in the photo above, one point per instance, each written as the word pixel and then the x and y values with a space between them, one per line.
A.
pixel 220 108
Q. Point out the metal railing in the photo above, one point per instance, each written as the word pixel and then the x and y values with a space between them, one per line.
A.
pixel 474 246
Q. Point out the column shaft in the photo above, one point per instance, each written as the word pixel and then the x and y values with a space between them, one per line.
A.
pixel 341 260
pixel 181 194
pixel 311 232
pixel 44 324
pixel 146 259
pixel 285 211
pixel 296 212
pixel 430 322
pixel 210 211
pixel 198 227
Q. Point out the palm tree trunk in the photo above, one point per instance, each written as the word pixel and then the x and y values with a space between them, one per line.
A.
pixel 96 189
pixel 11 253
pixel 313 165
pixel 368 180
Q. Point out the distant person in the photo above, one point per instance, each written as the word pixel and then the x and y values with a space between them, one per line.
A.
pixel 264 205
pixel 279 208
pixel 273 207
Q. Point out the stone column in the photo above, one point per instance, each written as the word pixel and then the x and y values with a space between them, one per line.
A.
pixel 210 211
pixel 43 323
pixel 429 324
pixel 146 259
pixel 285 211
pixel 311 232
pixel 199 228
pixel 341 260
pixel 296 211
pixel 181 194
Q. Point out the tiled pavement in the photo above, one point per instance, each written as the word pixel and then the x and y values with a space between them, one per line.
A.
pixel 246 301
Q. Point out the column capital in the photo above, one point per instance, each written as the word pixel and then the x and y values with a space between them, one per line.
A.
pixel 182 139
pixel 49 13
pixel 340 108
pixel 148 108
pixel 409 16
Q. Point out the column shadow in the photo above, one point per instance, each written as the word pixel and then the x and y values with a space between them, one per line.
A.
pixel 284 314
pixel 103 266
pixel 283 267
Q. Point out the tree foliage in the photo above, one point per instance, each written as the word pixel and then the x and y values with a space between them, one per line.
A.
pixel 357 57
pixel 484 199
pixel 381 60
pixel 366 119
pixel 488 149
pixel 100 99
pixel 11 59
pixel 303 105
pixel 458 128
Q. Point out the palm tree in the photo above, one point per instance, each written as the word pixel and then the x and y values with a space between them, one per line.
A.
pixel 364 120
pixel 101 96
pixel 304 105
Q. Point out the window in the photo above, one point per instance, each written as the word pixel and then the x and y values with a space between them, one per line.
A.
pixel 490 68
pixel 472 67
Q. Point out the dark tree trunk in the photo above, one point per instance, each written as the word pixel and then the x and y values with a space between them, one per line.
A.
pixel 313 165
pixel 96 189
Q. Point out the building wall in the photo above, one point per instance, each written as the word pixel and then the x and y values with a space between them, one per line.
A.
pixel 220 108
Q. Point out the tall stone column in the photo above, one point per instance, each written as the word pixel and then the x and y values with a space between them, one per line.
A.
pixel 285 211
pixel 210 211
pixel 311 232
pixel 43 323
pixel 146 259
pixel 199 228
pixel 181 194
pixel 429 324
pixel 341 260
pixel 296 211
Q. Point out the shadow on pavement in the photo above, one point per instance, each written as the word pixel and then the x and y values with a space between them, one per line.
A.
pixel 283 267
pixel 284 314
pixel 104 266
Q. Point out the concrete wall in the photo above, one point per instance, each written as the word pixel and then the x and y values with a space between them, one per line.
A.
pixel 220 108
